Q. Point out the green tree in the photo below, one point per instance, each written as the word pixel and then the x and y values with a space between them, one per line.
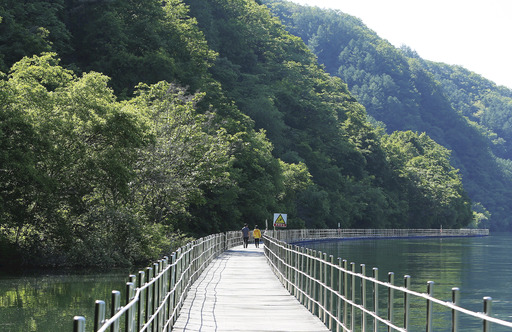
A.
pixel 188 153
pixel 433 185
pixel 457 108
pixel 138 41
pixel 83 153
pixel 31 27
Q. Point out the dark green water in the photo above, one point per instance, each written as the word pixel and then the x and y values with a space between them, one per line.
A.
pixel 480 266
pixel 37 301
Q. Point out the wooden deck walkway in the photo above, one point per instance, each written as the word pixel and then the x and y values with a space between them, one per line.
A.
pixel 239 292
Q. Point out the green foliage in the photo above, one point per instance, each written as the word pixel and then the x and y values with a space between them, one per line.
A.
pixel 104 161
pixel 274 79
pixel 481 101
pixel 458 109
pixel 108 182
pixel 188 153
pixel 309 116
pixel 76 147
pixel 137 41
pixel 31 27
pixel 429 179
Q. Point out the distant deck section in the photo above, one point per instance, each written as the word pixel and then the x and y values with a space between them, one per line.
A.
pixel 239 292
pixel 301 236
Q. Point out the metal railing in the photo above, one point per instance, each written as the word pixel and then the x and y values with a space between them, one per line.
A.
pixel 304 235
pixel 346 300
pixel 154 297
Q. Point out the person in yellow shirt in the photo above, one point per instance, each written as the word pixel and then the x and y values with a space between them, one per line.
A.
pixel 256 233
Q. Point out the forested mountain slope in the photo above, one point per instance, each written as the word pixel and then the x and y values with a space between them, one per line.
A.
pixel 460 110
pixel 127 125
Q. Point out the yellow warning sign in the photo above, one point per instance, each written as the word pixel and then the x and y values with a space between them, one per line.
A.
pixel 280 219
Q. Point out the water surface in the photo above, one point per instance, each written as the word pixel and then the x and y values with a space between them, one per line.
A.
pixel 48 300
pixel 479 266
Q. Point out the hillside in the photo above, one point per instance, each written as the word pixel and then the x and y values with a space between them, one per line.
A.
pixel 129 126
pixel 462 111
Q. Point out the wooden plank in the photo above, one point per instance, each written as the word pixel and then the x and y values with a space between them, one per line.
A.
pixel 239 292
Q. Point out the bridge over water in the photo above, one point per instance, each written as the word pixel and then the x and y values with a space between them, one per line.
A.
pixel 213 284
pixel 239 292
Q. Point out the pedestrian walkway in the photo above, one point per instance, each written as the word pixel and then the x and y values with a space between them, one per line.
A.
pixel 239 292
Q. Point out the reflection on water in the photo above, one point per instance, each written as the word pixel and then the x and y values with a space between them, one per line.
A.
pixel 39 301
pixel 479 266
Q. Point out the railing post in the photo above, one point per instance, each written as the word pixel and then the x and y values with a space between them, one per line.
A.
pixel 340 291
pixel 165 291
pixel 99 314
pixel 376 298
pixel 455 313
pixel 149 295
pixel 133 311
pixel 391 298
pixel 129 326
pixel 303 269
pixel 78 324
pixel 321 266
pixel 156 296
pixel 285 267
pixel 331 298
pixel 487 312
pixel 313 284
pixel 172 285
pixel 430 292
pixel 363 297
pixel 296 274
pixel 179 279
pixel 279 263
pixel 115 305
pixel 289 264
pixel 289 267
pixel 345 292
pixel 353 296
pixel 324 303
pixel 407 302
pixel 142 298
pixel 309 264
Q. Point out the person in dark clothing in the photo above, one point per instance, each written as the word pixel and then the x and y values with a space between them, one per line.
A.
pixel 245 235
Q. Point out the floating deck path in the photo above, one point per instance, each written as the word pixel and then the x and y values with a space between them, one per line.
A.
pixel 239 292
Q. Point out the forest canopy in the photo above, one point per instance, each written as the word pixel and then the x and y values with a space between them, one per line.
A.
pixel 127 126
pixel 462 111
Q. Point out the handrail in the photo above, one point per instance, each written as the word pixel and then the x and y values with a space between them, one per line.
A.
pixel 328 290
pixel 156 303
pixel 155 297
pixel 304 235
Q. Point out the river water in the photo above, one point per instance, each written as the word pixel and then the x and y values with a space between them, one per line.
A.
pixel 479 266
pixel 47 301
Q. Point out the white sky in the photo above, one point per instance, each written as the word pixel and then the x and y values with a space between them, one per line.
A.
pixel 474 34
